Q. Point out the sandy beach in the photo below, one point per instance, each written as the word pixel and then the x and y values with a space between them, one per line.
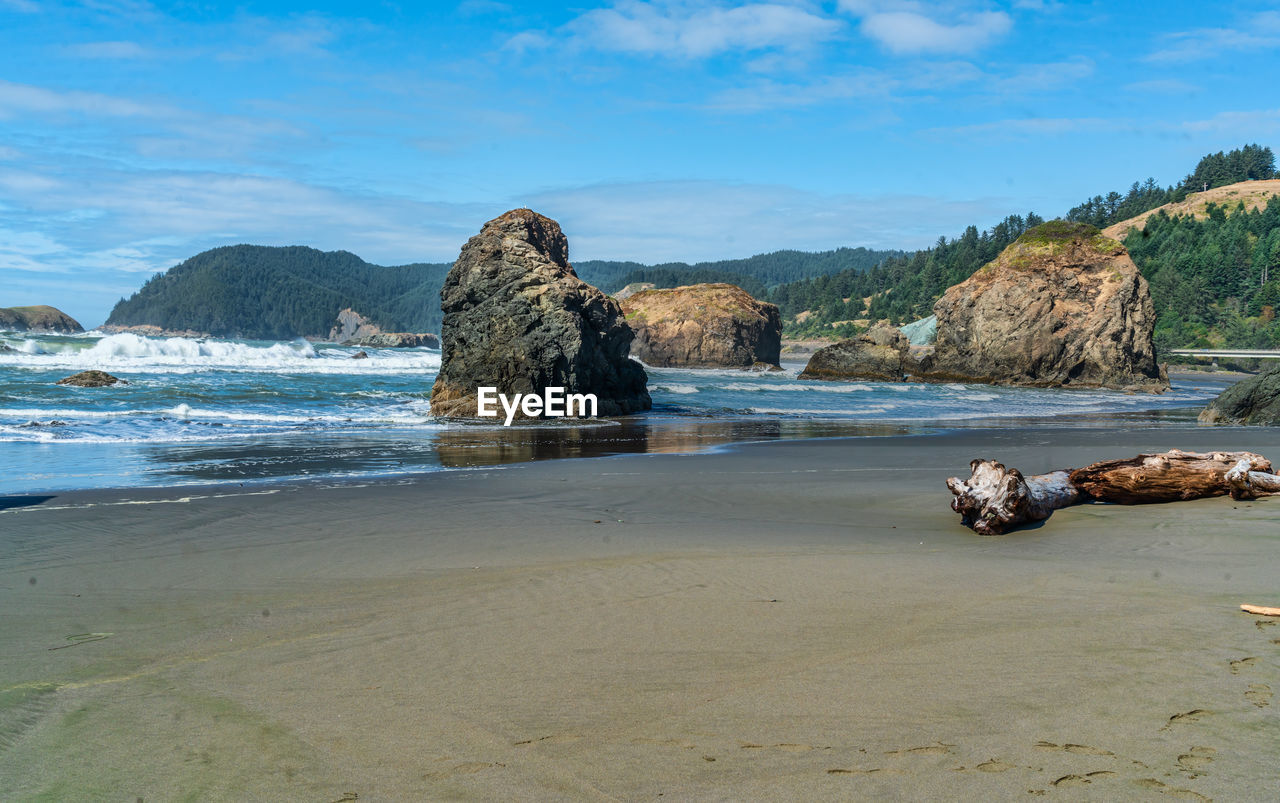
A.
pixel 798 620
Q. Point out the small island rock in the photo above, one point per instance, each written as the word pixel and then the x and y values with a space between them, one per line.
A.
pixel 517 318
pixel 1255 400
pixel 395 340
pixel 1063 306
pixel 703 326
pixel 92 379
pixel 882 353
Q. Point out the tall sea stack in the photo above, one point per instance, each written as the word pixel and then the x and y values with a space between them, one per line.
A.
pixel 517 318
pixel 1063 306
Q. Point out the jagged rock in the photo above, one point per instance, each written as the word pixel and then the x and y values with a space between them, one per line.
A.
pixel 41 318
pixel 1063 306
pixel 703 326
pixel 92 379
pixel 517 318
pixel 360 355
pixel 881 353
pixel 1255 400
pixel 395 340
pixel 632 289
pixel 352 325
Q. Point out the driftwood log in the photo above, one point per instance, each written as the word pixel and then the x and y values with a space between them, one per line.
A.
pixel 995 499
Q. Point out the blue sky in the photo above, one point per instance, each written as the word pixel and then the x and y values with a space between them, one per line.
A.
pixel 135 134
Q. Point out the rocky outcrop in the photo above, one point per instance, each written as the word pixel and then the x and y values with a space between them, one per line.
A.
pixel 632 289
pixel 703 326
pixel 517 318
pixel 351 325
pixel 395 340
pixel 149 330
pixel 882 353
pixel 92 379
pixel 1255 400
pixel 360 355
pixel 1062 306
pixel 41 319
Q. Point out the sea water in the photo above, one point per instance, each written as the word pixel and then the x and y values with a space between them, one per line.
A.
pixel 201 411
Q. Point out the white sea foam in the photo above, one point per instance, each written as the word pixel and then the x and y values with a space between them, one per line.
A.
pixel 671 387
pixel 127 351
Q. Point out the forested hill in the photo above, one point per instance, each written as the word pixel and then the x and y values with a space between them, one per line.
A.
pixel 269 293
pixel 754 274
pixel 1211 257
pixel 261 292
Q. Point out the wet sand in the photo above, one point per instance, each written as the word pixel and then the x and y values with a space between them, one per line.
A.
pixel 797 620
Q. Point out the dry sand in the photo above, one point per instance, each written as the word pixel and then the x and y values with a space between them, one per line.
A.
pixel 786 621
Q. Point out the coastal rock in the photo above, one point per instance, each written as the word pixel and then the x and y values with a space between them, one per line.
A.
pixel 1063 306
pixel 1255 400
pixel 517 317
pixel 881 353
pixel 360 355
pixel 703 326
pixel 632 289
pixel 42 319
pixel 395 340
pixel 92 379
pixel 150 330
pixel 352 325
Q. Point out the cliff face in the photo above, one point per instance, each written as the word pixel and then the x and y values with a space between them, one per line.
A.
pixel 1063 306
pixel 516 317
pixel 881 353
pixel 703 326
pixel 38 319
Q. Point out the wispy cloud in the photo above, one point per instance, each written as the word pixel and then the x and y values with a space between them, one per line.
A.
pixel 689 30
pixel 916 28
pixel 26 99
pixel 705 220
pixel 1036 127
pixel 108 50
pixel 21 6
pixel 1262 32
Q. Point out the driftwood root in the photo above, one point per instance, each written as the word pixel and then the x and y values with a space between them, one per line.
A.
pixel 995 499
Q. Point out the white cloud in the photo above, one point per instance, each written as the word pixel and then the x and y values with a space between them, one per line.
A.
pixel 1261 33
pixel 108 50
pixel 910 32
pixel 691 30
pixel 27 99
pixel 1246 124
pixel 1162 86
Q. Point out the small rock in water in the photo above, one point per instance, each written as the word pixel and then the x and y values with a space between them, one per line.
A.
pixel 360 355
pixel 92 379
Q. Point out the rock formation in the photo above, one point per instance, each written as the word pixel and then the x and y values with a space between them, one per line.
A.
pixel 703 326
pixel 1063 306
pixel 632 289
pixel 92 379
pixel 395 340
pixel 351 325
pixel 360 355
pixel 517 317
pixel 881 353
pixel 1255 400
pixel 42 319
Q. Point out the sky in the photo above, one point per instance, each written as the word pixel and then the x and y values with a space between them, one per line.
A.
pixel 135 134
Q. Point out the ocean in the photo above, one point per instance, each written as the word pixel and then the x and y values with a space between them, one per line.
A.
pixel 208 411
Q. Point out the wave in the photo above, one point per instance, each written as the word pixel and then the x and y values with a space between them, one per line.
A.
pixel 127 351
